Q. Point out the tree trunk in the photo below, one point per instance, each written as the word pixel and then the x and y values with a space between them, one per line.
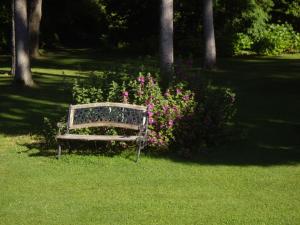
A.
pixel 13 40
pixel 23 73
pixel 166 41
pixel 34 26
pixel 209 35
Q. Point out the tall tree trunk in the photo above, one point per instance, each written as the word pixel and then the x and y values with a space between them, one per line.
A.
pixel 13 39
pixel 209 35
pixel 35 17
pixel 23 73
pixel 166 41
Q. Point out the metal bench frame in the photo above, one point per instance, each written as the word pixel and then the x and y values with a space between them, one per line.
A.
pixel 106 114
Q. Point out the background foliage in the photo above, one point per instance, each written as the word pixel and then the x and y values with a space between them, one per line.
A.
pixel 133 25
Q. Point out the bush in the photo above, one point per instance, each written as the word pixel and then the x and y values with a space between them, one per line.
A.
pixel 275 39
pixel 278 39
pixel 242 44
pixel 210 124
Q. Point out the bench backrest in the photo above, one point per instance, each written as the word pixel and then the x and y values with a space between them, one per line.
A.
pixel 107 114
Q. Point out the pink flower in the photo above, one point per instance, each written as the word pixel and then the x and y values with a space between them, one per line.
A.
pixel 151 140
pixel 125 96
pixel 141 79
pixel 186 97
pixel 150 114
pixel 151 121
pixel 150 106
pixel 165 108
pixel 178 91
pixel 171 123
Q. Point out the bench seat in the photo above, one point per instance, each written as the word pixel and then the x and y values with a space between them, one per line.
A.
pixel 97 137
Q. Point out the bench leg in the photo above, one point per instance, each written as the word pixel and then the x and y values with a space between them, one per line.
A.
pixel 59 151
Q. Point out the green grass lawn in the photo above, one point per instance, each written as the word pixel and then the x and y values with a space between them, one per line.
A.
pixel 252 181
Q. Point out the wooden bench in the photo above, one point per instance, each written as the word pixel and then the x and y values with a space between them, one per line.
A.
pixel 106 114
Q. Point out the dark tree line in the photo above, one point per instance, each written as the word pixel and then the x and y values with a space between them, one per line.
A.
pixel 184 27
pixel 135 23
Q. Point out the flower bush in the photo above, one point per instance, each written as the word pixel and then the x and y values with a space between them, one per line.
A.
pixel 165 109
pixel 209 125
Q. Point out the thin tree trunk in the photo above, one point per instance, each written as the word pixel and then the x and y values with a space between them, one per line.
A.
pixel 209 35
pixel 35 17
pixel 22 73
pixel 13 40
pixel 166 41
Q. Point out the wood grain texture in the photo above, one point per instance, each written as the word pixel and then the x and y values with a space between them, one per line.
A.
pixel 104 124
pixel 97 137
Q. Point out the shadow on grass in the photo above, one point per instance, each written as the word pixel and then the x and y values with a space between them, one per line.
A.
pixel 78 148
pixel 268 101
pixel 22 109
pixel 242 153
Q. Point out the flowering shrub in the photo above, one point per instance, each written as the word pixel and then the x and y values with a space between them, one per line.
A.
pixel 210 124
pixel 164 109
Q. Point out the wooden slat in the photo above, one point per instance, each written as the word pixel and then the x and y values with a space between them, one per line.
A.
pixel 96 137
pixel 104 124
pixel 109 104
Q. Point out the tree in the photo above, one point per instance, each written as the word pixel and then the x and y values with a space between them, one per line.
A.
pixel 209 35
pixel 166 41
pixel 22 73
pixel 13 40
pixel 35 16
